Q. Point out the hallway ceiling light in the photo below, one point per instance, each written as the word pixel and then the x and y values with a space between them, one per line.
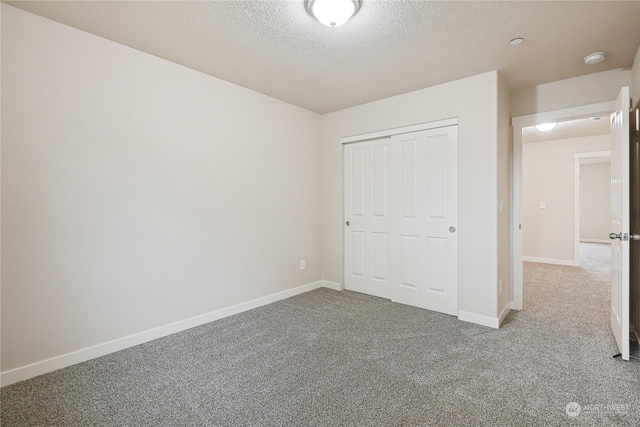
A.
pixel 332 13
pixel 594 58
pixel 544 127
pixel 516 41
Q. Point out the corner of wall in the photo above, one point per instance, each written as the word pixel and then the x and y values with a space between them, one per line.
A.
pixel 504 197
pixel 635 79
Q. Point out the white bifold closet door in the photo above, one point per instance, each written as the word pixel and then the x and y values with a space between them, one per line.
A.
pixel 401 218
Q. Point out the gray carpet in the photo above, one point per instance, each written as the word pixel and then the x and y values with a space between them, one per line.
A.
pixel 330 358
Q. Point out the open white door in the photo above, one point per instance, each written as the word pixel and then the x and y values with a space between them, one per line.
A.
pixel 620 225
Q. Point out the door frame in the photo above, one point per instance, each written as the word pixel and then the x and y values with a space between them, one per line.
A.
pixel 517 124
pixel 603 157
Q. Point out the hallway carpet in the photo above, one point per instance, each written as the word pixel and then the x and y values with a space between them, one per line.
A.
pixel 329 358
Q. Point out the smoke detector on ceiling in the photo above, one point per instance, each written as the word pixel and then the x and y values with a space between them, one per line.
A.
pixel 594 58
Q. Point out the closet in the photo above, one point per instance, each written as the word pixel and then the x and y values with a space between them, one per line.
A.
pixel 400 217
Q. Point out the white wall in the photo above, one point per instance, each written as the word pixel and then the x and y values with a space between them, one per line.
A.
pixel 474 102
pixel 595 219
pixel 575 92
pixel 548 176
pixel 137 192
pixel 504 196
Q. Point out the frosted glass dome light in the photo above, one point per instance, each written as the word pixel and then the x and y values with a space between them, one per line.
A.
pixel 544 127
pixel 332 13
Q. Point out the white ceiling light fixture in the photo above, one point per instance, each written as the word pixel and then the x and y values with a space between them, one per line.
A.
pixel 332 13
pixel 516 41
pixel 594 58
pixel 545 127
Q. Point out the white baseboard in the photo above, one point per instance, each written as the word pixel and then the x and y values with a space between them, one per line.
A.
pixel 332 285
pixel 607 241
pixel 568 262
pixel 480 319
pixel 504 313
pixel 33 370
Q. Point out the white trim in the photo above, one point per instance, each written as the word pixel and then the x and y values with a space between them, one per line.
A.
pixel 516 180
pixel 38 368
pixel 564 115
pixel 592 154
pixel 397 131
pixel 576 209
pixel 504 313
pixel 569 262
pixel 332 285
pixel 605 241
pixel 516 220
pixel 479 319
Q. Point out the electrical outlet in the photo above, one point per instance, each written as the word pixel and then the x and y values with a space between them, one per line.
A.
pixel 303 264
pixel 500 286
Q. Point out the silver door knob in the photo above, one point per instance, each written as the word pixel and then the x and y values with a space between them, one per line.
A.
pixel 347 223
pixel 614 236
pixel 452 229
pixel 634 236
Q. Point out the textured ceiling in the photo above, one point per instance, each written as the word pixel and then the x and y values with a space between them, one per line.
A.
pixel 388 48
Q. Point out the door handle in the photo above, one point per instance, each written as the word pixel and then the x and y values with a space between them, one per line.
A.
pixel 347 223
pixel 624 236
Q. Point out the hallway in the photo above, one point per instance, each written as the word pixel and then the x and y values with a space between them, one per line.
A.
pixel 576 296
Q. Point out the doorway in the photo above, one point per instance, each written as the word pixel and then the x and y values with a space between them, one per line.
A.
pixel 566 217
pixel 519 123
pixel 552 161
pixel 619 279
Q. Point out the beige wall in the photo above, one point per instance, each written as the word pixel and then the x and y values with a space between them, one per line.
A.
pixel 474 102
pixel 137 192
pixel 548 176
pixel 595 218
pixel 504 196
pixel 575 92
